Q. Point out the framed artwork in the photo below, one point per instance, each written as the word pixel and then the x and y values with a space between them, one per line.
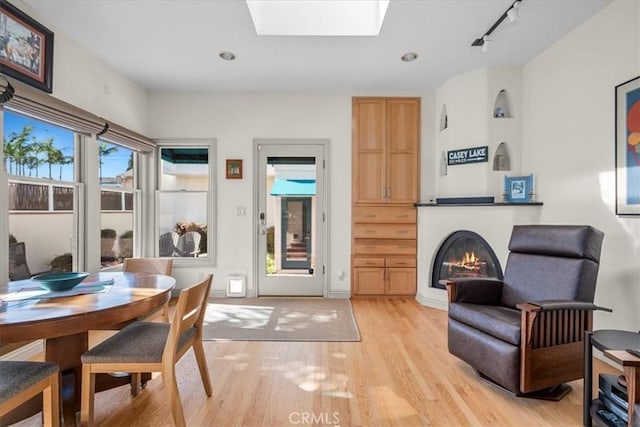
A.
pixel 518 189
pixel 627 147
pixel 234 168
pixel 26 48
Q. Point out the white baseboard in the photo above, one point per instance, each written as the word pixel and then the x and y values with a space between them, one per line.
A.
pixel 339 294
pixel 431 302
pixel 26 352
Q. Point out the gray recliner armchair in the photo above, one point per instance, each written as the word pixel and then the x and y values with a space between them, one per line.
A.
pixel 525 332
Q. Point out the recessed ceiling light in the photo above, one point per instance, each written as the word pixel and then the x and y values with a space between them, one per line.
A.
pixel 409 57
pixel 227 56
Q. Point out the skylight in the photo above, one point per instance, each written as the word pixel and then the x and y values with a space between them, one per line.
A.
pixel 318 17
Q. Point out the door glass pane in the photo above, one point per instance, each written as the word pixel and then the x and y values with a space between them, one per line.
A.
pixel 289 217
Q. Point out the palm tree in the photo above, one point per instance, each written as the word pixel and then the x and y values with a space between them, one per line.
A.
pixel 105 149
pixel 53 155
pixel 64 160
pixel 32 157
pixel 17 149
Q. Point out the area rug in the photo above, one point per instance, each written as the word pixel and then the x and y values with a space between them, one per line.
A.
pixel 280 319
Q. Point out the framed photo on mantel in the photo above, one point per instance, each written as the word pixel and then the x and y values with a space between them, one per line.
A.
pixel 26 48
pixel 518 189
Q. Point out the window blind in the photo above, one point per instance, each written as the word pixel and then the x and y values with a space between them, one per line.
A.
pixel 33 102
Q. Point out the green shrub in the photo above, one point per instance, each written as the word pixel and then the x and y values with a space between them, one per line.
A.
pixel 108 233
pixel 62 262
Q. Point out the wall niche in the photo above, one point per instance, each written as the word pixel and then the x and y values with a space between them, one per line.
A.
pixel 444 118
pixel 502 106
pixel 502 158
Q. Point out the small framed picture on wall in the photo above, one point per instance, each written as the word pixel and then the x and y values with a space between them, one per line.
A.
pixel 234 168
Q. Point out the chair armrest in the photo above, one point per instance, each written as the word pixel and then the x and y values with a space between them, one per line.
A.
pixel 474 291
pixel 553 305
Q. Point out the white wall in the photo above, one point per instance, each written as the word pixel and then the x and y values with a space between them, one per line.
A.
pixel 568 141
pixel 83 80
pixel 235 120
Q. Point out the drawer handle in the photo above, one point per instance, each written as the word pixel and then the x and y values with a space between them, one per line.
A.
pixel 401 232
pixel 370 247
pixel 369 231
pixel 369 263
pixel 370 216
pixel 401 263
pixel 403 216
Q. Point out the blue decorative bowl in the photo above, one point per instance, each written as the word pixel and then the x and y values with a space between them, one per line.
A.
pixel 57 282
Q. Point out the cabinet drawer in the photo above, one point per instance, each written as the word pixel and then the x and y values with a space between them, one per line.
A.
pixel 368 262
pixel 384 214
pixel 384 247
pixel 384 231
pixel 401 262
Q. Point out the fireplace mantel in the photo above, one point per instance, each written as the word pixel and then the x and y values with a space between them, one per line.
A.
pixel 494 225
pixel 454 205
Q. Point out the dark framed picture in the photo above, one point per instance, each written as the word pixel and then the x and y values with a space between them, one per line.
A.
pixel 234 169
pixel 627 147
pixel 26 48
pixel 518 189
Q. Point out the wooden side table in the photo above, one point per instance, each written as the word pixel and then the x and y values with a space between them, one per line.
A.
pixel 612 343
pixel 631 367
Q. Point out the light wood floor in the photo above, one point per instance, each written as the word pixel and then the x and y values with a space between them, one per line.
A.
pixel 400 374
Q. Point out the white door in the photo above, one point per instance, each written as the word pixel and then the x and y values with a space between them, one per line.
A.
pixel 290 218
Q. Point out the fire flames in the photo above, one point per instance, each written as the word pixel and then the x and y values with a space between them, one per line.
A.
pixel 470 264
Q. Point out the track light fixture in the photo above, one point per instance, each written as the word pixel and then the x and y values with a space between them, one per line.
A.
pixel 511 14
pixel 486 42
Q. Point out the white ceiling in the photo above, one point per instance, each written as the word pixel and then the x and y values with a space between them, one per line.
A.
pixel 174 45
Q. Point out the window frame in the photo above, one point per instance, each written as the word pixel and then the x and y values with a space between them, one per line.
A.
pixel 78 214
pixel 210 144
pixel 138 230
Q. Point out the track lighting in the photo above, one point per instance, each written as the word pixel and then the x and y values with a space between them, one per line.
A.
pixel 486 42
pixel 511 14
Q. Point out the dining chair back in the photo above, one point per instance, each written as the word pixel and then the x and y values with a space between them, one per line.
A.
pixel 152 347
pixel 20 381
pixel 148 265
pixel 18 268
pixel 151 266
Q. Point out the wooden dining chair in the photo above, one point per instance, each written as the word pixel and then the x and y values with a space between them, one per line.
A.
pixel 20 381
pixel 150 266
pixel 152 347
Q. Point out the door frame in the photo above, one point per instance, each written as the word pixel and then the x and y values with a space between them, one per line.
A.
pixel 324 142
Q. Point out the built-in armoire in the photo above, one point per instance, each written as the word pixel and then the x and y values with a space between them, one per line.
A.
pixel 386 135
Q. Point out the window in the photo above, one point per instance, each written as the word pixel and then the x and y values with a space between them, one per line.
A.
pixel 184 202
pixel 117 178
pixel 39 159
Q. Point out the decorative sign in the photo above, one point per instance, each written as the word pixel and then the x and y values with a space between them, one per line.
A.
pixel 468 155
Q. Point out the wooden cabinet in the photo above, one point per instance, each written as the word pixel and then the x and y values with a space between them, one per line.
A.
pixel 385 150
pixel 386 134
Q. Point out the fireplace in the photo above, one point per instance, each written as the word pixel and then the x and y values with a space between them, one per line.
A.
pixel 464 254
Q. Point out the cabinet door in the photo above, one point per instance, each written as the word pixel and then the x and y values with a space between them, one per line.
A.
pixel 403 121
pixel 368 281
pixel 401 281
pixel 369 150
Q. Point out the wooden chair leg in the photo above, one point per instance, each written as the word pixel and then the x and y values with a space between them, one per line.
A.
pixel 88 391
pixel 51 402
pixel 135 383
pixel 198 350
pixel 165 313
pixel 171 385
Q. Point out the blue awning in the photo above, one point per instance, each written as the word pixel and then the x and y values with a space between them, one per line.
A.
pixel 294 187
